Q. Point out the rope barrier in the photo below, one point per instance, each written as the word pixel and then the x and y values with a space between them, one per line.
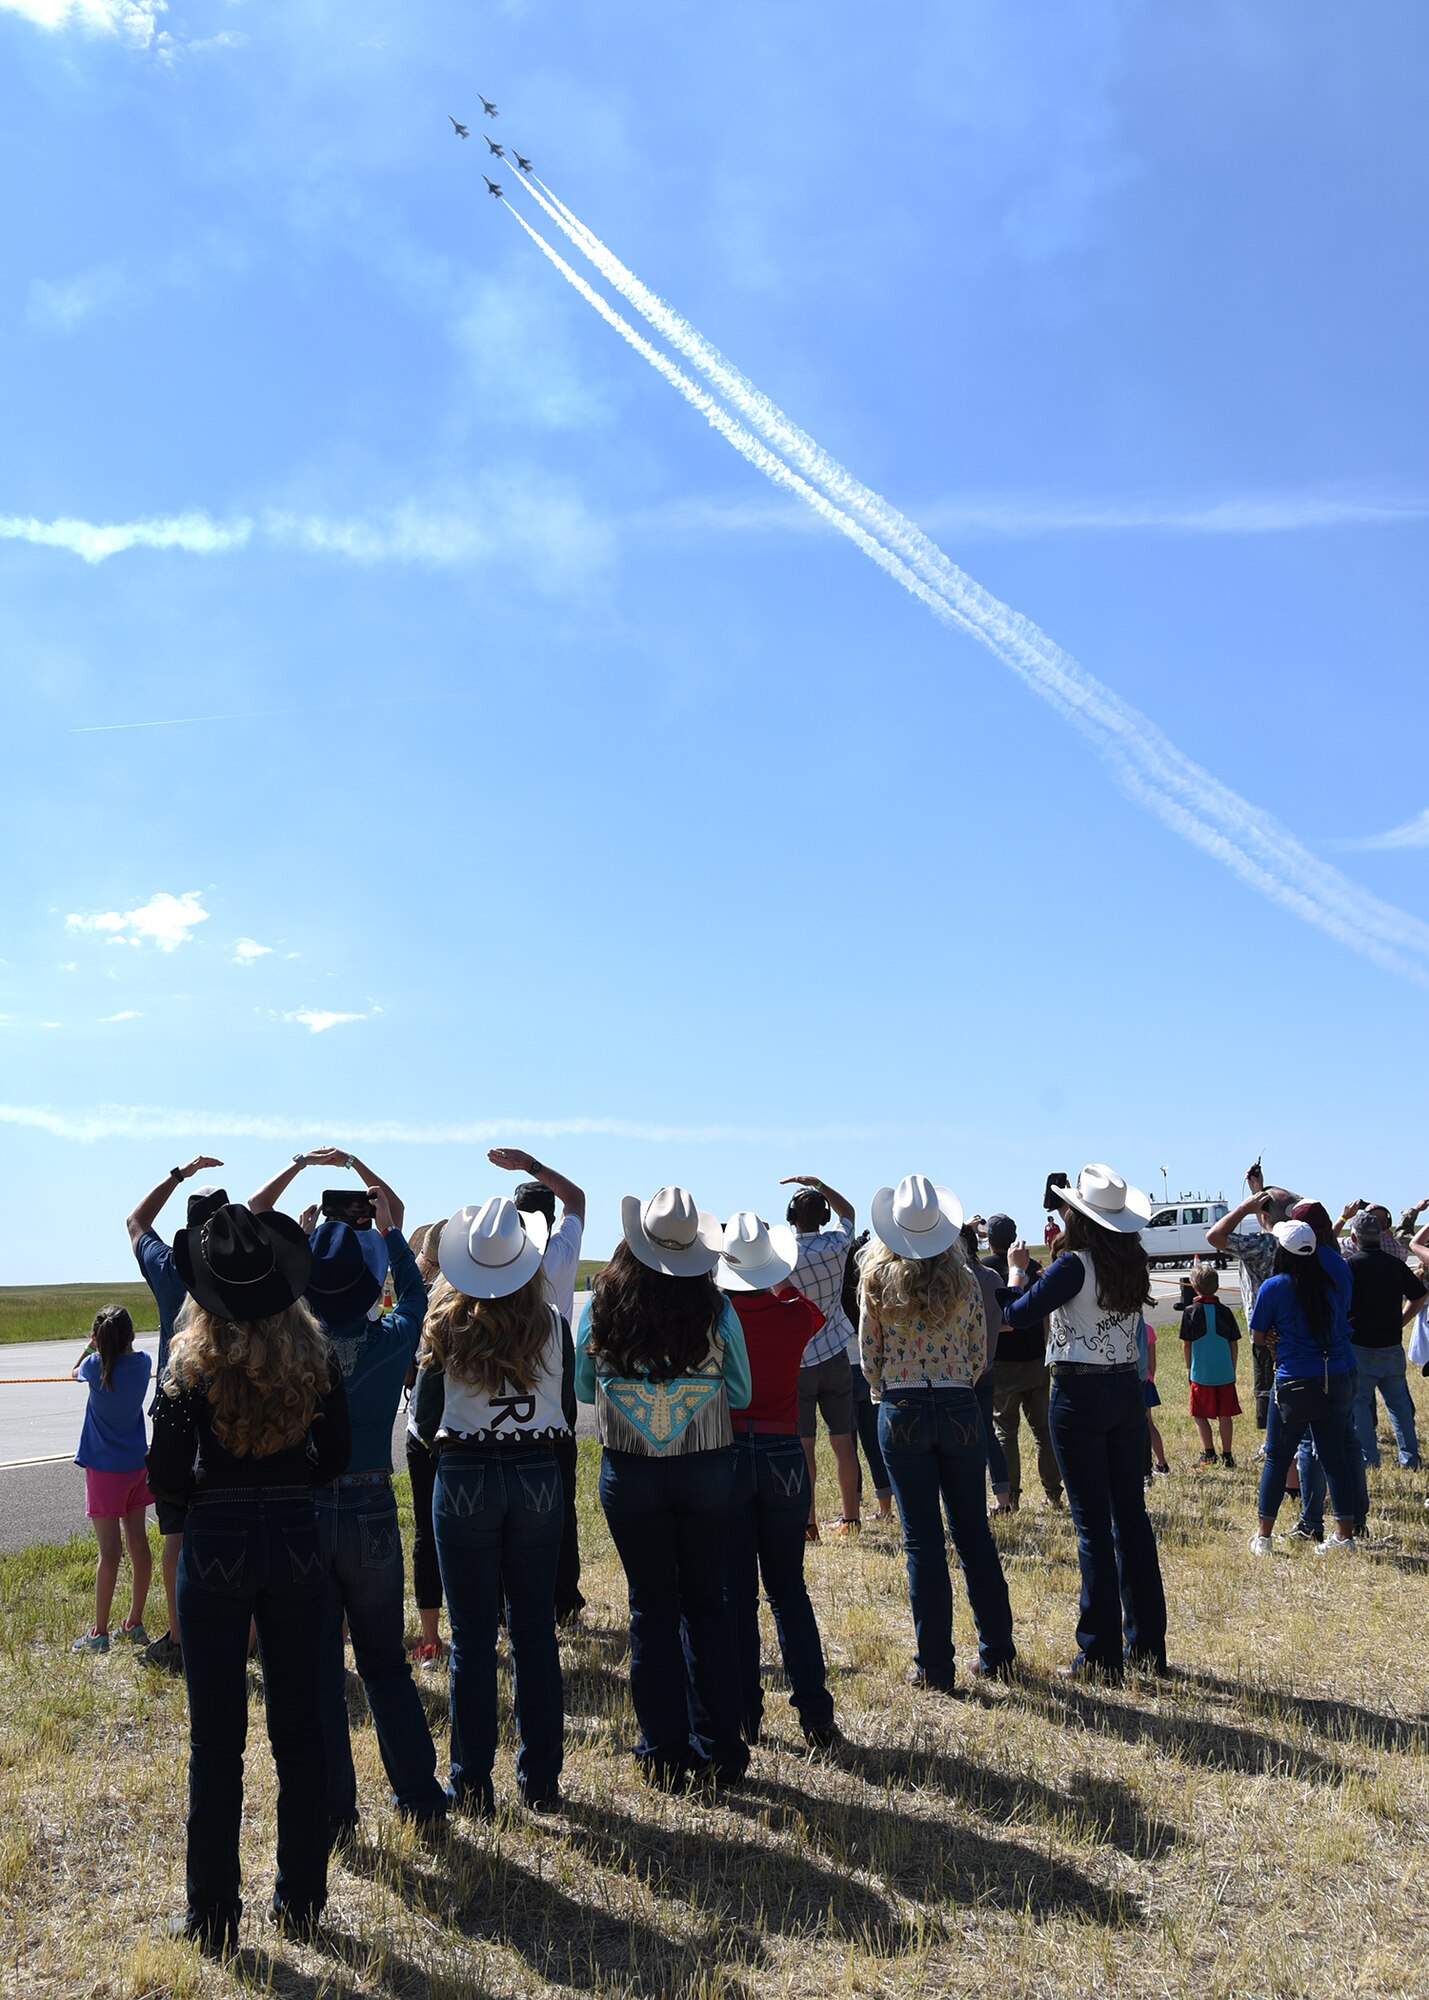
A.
pixel 15 1381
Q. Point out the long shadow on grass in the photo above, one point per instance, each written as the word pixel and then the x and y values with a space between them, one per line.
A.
pixel 742 1889
pixel 1339 1721
pixel 933 1860
pixel 1107 1809
pixel 1202 1739
pixel 478 1889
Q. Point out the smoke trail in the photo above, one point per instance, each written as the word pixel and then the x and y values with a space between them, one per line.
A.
pixel 1149 768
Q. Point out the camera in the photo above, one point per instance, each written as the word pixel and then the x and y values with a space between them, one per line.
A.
pixel 348 1205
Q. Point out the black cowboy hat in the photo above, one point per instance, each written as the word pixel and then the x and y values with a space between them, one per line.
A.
pixel 341 1285
pixel 242 1266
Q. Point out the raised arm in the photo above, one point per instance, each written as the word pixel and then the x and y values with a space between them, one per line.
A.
pixel 146 1213
pixel 1220 1233
pixel 334 1156
pixel 841 1207
pixel 512 1160
pixel 268 1195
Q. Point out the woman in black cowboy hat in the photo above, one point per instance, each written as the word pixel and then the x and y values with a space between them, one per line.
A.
pixel 252 1417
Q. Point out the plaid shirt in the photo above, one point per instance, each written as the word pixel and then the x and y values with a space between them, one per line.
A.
pixel 1256 1250
pixel 819 1275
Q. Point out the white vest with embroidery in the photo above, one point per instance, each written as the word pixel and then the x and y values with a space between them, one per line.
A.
pixel 472 1415
pixel 1083 1330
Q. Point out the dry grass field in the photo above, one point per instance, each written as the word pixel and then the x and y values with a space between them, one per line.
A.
pixel 1255 1826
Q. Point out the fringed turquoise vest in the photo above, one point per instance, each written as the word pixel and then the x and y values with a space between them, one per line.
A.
pixel 663 1419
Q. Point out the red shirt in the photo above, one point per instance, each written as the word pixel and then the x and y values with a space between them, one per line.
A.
pixel 778 1326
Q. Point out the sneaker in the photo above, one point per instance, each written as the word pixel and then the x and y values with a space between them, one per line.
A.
pixel 91 1641
pixel 1208 1458
pixel 1261 1545
pixel 166 1654
pixel 1303 1532
pixel 134 1635
pixel 1336 1545
pixel 844 1527
pixel 1227 1461
pixel 1162 1471
pixel 428 1653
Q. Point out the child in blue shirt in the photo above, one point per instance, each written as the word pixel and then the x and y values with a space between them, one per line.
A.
pixel 1210 1334
pixel 116 1491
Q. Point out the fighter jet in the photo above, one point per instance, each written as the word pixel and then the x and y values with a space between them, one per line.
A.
pixel 500 151
pixel 461 131
pixel 490 109
pixel 524 165
pixel 492 188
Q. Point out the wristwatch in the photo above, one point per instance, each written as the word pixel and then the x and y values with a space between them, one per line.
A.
pixel 300 1159
pixel 176 1173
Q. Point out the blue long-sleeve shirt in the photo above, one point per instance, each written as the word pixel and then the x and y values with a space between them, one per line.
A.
pixel 374 1356
pixel 1023 1306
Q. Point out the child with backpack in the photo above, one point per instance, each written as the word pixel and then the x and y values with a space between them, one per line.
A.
pixel 111 1450
pixel 1209 1335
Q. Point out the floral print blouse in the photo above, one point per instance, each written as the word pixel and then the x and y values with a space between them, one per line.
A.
pixel 918 1356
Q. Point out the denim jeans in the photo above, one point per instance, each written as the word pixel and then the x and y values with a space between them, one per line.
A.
pixel 362 1551
pixel 252 1556
pixel 426 1571
pixel 498 1513
pixel 1022 1389
pixel 984 1390
pixel 670 1520
pixel 1384 1368
pixel 865 1430
pixel 1312 1487
pixel 933 1447
pixel 1334 1439
pixel 766 1538
pixel 1098 1426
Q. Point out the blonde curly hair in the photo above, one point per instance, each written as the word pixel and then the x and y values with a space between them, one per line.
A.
pixel 264 1377
pixel 491 1343
pixel 899 1290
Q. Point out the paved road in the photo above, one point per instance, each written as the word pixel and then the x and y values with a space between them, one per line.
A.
pixel 42 1490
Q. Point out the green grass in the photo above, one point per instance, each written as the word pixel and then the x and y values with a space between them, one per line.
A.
pixel 1252 1829
pixel 66 1312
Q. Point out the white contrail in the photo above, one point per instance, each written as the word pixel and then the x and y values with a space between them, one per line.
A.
pixel 174 721
pixel 1150 768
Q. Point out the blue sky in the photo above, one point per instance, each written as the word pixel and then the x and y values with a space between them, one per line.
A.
pixel 584 791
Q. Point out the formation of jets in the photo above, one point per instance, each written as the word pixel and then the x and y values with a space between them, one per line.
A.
pixel 497 152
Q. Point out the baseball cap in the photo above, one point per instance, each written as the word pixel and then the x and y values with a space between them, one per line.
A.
pixel 1317 1215
pixel 1001 1232
pixel 1367 1226
pixel 1296 1237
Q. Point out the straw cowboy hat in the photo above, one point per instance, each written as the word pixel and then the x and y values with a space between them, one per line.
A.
pixel 756 1257
pixel 1105 1198
pixel 668 1233
pixel 242 1266
pixel 485 1252
pixel 916 1219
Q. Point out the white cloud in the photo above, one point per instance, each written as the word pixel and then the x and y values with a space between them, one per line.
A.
pixel 317 1020
pixel 124 1014
pixel 147 1121
pixel 70 965
pixel 95 541
pixel 134 21
pixel 168 920
pixel 246 950
pixel 1414 833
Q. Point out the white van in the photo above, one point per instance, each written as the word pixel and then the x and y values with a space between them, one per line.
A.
pixel 1176 1233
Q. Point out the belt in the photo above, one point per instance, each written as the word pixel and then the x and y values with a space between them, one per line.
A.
pixel 362 1479
pixel 1094 1368
pixel 761 1427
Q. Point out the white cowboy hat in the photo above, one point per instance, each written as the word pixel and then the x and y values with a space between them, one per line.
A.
pixel 485 1253
pixel 756 1257
pixel 668 1233
pixel 1104 1197
pixel 916 1219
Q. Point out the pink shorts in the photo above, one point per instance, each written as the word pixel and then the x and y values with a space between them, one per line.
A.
pixel 112 1495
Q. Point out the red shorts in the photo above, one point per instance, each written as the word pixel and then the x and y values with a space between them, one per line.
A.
pixel 1214 1399
pixel 111 1495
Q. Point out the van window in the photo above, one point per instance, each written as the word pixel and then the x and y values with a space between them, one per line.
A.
pixel 1164 1218
pixel 1196 1215
pixel 1218 1209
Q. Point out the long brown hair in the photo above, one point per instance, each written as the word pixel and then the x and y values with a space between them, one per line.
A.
pixel 264 1378
pixel 643 1322
pixel 1119 1262
pixel 113 1335
pixel 490 1343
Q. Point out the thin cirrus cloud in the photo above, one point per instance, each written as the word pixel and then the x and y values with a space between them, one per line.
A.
pixel 168 921
pixel 145 1122
pixel 246 951
pixel 124 1014
pixel 1413 833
